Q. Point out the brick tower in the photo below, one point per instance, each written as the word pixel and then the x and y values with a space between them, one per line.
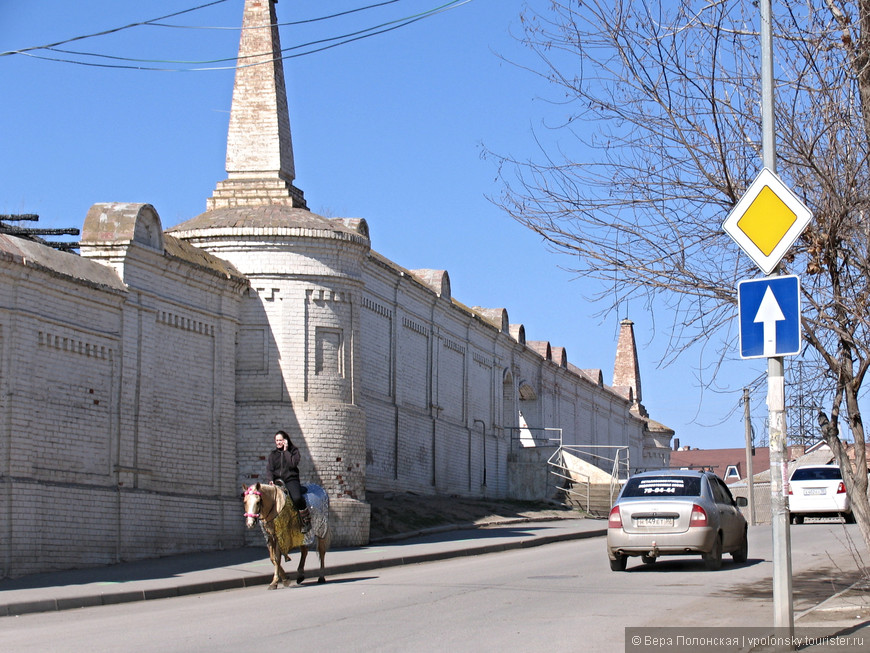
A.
pixel 626 370
pixel 260 166
pixel 297 346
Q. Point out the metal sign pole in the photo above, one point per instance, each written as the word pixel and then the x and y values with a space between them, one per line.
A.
pixel 779 514
pixel 782 581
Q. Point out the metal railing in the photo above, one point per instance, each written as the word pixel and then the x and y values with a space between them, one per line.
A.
pixel 574 484
pixel 577 485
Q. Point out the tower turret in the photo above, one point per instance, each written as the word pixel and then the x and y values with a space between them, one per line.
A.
pixel 297 364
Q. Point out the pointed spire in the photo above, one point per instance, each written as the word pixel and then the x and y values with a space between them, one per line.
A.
pixel 260 168
pixel 626 370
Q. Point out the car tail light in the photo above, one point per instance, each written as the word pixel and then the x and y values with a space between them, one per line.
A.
pixel 841 488
pixel 615 519
pixel 699 516
pixel 789 491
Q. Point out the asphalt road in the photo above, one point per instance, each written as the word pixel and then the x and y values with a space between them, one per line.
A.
pixel 558 597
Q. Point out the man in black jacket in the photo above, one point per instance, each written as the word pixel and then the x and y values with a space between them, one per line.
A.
pixel 283 465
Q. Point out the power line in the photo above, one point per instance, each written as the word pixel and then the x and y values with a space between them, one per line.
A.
pixel 332 42
pixel 108 31
pixel 287 24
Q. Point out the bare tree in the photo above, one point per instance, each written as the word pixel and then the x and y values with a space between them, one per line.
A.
pixel 660 137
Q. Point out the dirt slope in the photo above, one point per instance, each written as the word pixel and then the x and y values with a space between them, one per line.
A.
pixel 396 513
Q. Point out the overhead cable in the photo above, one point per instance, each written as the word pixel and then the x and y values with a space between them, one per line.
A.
pixel 109 31
pixel 287 24
pixel 332 42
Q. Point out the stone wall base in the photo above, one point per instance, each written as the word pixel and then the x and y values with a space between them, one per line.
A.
pixel 55 526
pixel 349 521
pixel 528 475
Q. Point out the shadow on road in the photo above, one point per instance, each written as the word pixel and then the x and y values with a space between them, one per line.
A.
pixel 677 564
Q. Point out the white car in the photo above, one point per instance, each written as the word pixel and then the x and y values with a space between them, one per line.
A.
pixel 818 491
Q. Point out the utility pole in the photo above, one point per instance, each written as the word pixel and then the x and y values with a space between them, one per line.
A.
pixel 747 427
pixel 782 581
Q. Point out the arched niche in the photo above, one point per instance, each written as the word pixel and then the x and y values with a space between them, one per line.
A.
pixel 526 391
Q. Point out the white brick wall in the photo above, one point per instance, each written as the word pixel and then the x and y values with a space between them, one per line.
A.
pixel 131 406
pixel 118 431
pixel 450 368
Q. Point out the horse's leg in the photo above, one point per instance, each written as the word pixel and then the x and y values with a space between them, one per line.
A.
pixel 284 580
pixel 321 550
pixel 274 556
pixel 300 570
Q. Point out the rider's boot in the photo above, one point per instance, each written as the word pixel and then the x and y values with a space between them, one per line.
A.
pixel 305 520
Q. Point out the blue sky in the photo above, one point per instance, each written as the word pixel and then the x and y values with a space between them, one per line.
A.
pixel 389 128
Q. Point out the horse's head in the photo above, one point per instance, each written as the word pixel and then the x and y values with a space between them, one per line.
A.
pixel 253 504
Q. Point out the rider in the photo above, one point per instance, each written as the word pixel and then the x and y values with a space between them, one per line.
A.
pixel 283 465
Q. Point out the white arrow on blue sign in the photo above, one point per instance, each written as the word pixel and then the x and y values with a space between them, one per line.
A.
pixel 770 317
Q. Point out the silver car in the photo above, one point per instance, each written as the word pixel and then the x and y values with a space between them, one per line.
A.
pixel 676 512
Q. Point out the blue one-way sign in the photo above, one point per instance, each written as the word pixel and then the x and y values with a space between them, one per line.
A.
pixel 770 317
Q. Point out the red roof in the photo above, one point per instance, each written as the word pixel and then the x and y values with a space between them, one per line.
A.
pixel 718 460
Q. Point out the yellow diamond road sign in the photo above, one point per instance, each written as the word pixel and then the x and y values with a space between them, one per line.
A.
pixel 767 220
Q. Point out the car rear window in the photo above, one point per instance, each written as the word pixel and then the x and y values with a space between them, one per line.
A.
pixel 668 486
pixel 816 474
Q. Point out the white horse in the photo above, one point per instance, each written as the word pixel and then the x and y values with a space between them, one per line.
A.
pixel 281 526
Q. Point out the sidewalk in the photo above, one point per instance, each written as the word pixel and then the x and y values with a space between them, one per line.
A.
pixel 196 573
pixel 844 618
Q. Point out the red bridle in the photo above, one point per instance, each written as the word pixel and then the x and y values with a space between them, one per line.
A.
pixel 251 490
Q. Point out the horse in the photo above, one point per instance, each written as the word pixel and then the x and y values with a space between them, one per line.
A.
pixel 279 520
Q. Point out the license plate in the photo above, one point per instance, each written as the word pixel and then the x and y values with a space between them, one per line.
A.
pixel 813 491
pixel 654 521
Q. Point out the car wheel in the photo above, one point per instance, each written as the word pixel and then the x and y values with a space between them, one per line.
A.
pixel 797 519
pixel 849 517
pixel 648 560
pixel 619 563
pixel 741 555
pixel 713 560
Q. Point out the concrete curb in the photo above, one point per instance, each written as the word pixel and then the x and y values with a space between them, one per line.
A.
pixel 835 602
